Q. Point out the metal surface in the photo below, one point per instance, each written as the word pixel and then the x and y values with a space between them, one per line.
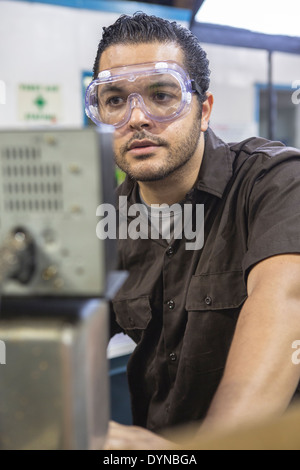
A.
pixel 54 385
pixel 272 115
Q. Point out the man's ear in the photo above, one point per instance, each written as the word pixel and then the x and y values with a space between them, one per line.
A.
pixel 206 111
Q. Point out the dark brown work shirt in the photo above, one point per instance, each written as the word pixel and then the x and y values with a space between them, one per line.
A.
pixel 181 306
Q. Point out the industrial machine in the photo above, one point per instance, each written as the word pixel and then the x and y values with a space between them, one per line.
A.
pixel 56 279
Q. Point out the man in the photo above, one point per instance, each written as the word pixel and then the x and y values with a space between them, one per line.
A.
pixel 235 301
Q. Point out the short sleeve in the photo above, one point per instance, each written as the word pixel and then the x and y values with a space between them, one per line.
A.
pixel 273 212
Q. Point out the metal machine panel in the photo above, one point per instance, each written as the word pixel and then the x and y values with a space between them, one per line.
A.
pixel 51 183
pixel 54 289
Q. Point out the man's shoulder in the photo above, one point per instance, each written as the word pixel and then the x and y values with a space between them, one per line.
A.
pixel 225 163
pixel 264 150
pixel 272 163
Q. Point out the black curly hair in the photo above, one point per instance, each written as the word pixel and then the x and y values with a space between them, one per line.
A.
pixel 143 28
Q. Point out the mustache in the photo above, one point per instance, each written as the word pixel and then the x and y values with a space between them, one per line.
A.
pixel 142 135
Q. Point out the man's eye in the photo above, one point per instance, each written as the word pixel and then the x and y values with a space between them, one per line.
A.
pixel 115 101
pixel 161 96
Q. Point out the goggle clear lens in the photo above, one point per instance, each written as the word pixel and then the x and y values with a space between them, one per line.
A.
pixel 161 90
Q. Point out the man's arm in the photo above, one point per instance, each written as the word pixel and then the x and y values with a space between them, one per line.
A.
pixel 260 377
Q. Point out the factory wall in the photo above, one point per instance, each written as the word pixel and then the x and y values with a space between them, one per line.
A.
pixel 47 54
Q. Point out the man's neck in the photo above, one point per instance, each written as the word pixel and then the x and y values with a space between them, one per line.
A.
pixel 173 188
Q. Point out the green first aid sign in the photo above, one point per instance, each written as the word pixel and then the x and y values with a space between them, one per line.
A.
pixel 39 104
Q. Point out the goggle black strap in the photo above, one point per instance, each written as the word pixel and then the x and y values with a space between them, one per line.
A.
pixel 195 87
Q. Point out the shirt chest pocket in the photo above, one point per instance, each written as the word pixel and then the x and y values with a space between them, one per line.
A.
pixel 133 315
pixel 213 304
pixel 216 291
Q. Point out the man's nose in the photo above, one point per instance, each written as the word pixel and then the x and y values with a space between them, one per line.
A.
pixel 138 117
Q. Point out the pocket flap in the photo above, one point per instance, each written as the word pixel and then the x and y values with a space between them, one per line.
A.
pixel 216 291
pixel 133 314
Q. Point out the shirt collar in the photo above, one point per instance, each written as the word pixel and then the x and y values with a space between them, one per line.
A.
pixel 216 167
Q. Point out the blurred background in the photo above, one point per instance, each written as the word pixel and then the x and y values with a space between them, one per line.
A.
pixel 47 52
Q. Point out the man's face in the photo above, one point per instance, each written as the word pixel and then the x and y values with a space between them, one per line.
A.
pixel 145 149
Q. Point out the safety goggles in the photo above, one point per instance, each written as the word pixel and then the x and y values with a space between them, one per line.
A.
pixel 162 90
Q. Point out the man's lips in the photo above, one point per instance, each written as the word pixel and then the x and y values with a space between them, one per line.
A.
pixel 142 147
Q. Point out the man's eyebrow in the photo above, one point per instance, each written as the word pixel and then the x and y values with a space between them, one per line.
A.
pixel 164 84
pixel 108 88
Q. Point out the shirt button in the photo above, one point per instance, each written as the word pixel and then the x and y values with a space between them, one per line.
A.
pixel 208 300
pixel 131 321
pixel 170 251
pixel 171 304
pixel 173 357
